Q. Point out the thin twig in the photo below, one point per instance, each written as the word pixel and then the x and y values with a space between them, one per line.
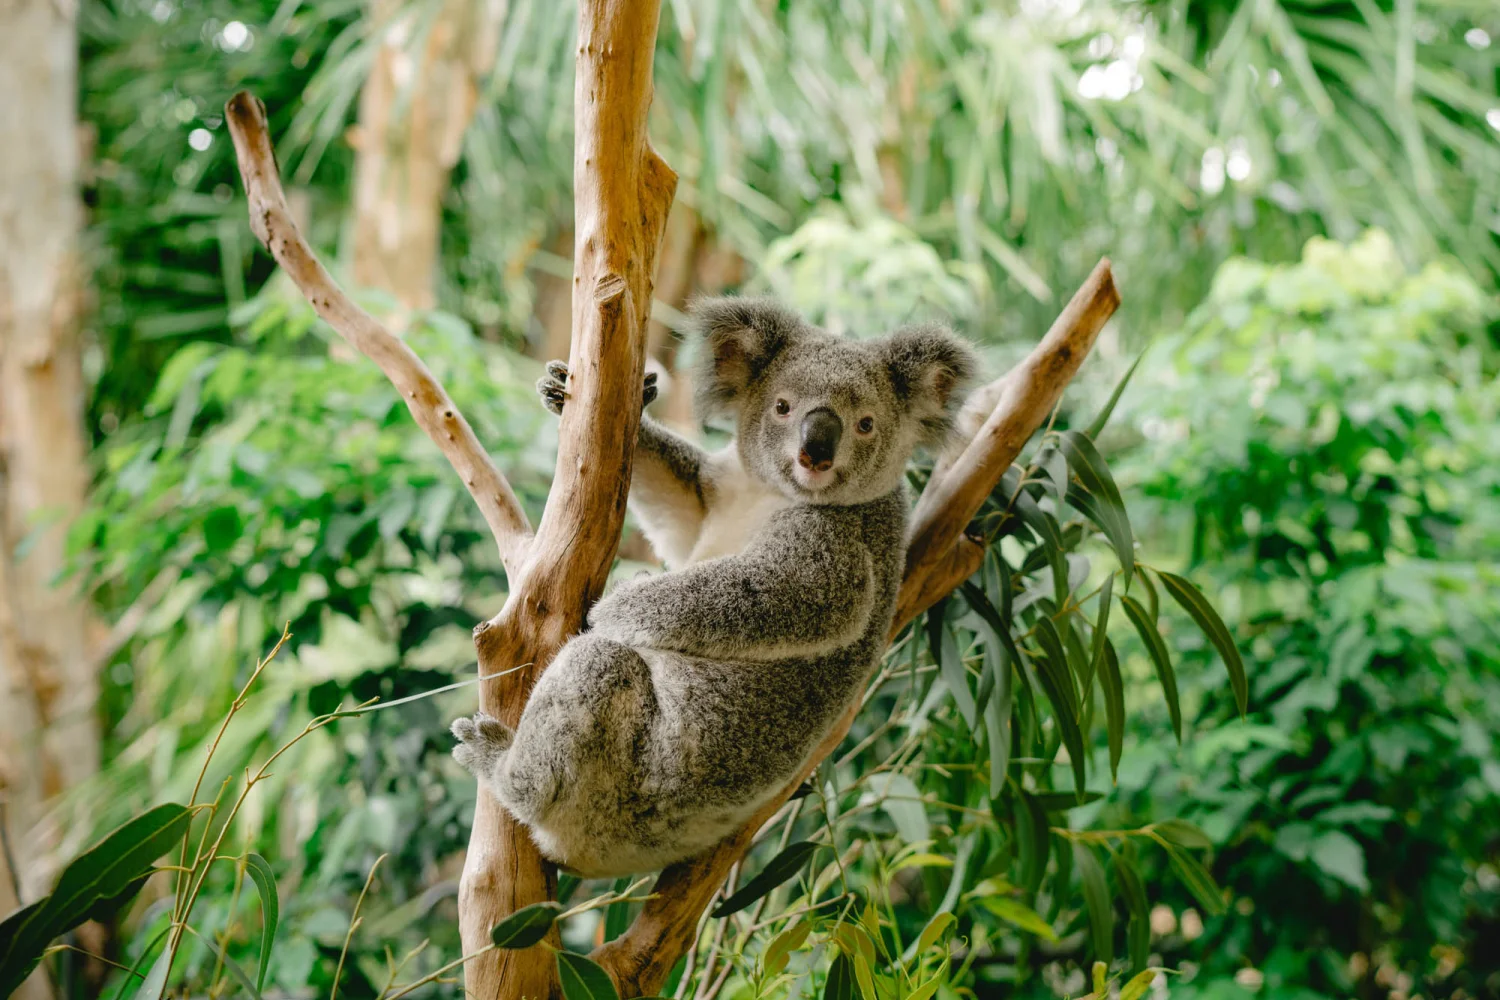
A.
pixel 429 403
pixel 354 921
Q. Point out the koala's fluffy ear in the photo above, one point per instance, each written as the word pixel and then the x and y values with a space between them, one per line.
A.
pixel 931 368
pixel 740 337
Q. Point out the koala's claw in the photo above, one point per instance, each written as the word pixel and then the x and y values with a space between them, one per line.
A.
pixel 553 387
pixel 482 741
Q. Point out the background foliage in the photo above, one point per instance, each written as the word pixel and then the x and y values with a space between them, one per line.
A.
pixel 1310 439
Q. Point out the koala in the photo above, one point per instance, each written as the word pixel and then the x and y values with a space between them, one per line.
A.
pixel 696 695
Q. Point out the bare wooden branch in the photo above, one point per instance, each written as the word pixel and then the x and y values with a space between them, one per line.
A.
pixel 1031 390
pixel 939 558
pixel 622 192
pixel 271 221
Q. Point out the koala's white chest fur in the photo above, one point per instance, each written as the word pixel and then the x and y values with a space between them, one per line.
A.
pixel 740 506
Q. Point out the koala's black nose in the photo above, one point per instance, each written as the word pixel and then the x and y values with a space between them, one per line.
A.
pixel 821 430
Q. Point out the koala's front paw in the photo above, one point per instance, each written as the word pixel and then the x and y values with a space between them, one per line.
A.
pixel 482 741
pixel 553 387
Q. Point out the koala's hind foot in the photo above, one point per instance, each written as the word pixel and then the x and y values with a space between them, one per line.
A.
pixel 553 387
pixel 482 743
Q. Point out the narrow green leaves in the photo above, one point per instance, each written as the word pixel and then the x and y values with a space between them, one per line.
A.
pixel 1057 681
pixel 944 647
pixel 939 925
pixel 1108 508
pixel 780 868
pixel 105 872
pixel 156 980
pixel 1102 418
pixel 1138 985
pixel 779 951
pixel 1207 619
pixel 1015 912
pixel 1033 839
pixel 582 979
pixel 1107 669
pixel 1000 653
pixel 1182 833
pixel 840 984
pixel 1138 928
pixel 235 972
pixel 1063 801
pixel 1197 879
pixel 1146 627
pixel 270 911
pixel 1096 898
pixel 526 926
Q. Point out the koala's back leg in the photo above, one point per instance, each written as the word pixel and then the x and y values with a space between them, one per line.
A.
pixel 583 737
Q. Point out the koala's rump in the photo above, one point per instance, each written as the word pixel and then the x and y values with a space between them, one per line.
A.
pixel 718 740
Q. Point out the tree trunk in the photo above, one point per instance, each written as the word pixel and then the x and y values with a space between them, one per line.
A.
pixel 44 627
pixel 413 112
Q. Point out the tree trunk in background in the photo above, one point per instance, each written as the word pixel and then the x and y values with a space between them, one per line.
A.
pixel 413 112
pixel 553 308
pixel 50 736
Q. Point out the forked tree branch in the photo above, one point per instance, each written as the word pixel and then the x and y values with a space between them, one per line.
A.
pixel 939 558
pixel 271 221
pixel 622 193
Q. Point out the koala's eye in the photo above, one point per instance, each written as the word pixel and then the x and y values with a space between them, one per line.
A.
pixel 783 407
pixel 866 425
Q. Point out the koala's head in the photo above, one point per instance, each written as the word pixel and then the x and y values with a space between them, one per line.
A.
pixel 825 419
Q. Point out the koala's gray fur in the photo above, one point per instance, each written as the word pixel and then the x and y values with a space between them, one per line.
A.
pixel 697 694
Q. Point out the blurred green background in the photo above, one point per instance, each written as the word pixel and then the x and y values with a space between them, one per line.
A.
pixel 1301 199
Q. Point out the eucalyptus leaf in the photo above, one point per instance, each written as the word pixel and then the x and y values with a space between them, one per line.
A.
pixel 264 879
pixel 583 979
pixel 1151 638
pixel 525 927
pixel 1102 417
pixel 779 869
pixel 1098 901
pixel 105 871
pixel 1108 510
pixel 1196 605
pixel 1015 912
pixel 1056 680
pixel 840 983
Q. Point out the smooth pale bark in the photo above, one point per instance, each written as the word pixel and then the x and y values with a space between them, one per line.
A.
pixel 416 105
pixel 45 626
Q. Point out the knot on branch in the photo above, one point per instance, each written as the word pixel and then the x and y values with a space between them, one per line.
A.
pixel 609 288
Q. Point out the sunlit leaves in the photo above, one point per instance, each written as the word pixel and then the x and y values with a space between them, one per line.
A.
pixel 778 952
pixel 1013 911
